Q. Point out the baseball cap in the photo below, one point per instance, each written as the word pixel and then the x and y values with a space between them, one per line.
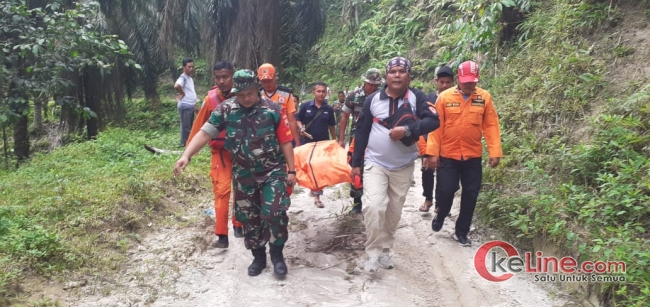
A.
pixel 266 71
pixel 468 72
pixel 444 71
pixel 244 79
pixel 373 76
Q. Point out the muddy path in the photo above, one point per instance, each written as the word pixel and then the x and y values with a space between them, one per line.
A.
pixel 177 267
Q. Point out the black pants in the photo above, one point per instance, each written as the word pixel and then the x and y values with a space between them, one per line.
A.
pixel 187 119
pixel 428 182
pixel 470 173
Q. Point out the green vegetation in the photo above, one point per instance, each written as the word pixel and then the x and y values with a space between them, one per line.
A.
pixel 577 166
pixel 82 205
pixel 575 132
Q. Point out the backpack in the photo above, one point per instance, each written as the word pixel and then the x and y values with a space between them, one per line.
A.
pixel 401 117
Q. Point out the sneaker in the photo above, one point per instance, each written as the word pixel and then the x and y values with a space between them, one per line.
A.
pixel 356 209
pixel 462 240
pixel 386 260
pixel 435 224
pixel 372 265
pixel 239 232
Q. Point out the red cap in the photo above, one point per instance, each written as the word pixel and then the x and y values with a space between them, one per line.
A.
pixel 468 72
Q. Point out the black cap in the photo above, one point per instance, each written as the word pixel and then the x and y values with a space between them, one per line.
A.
pixel 445 71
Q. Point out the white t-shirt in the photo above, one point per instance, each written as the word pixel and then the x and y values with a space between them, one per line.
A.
pixel 187 83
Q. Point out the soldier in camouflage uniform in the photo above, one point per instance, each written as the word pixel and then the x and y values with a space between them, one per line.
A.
pixel 353 105
pixel 259 140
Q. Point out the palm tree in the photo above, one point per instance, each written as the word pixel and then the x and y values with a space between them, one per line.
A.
pixel 247 33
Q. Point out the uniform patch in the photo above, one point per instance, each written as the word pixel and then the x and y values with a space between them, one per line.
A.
pixel 452 104
pixel 433 110
pixel 478 102
pixel 281 100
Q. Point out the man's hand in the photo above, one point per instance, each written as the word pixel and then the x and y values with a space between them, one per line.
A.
pixel 433 162
pixel 180 165
pixel 291 180
pixel 494 162
pixel 425 162
pixel 180 96
pixel 356 171
pixel 342 143
pixel 397 133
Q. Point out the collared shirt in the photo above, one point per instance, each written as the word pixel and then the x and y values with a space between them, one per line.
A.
pixel 319 129
pixel 372 141
pixel 463 124
pixel 187 83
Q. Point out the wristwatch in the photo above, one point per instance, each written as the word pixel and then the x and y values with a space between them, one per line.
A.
pixel 407 131
pixel 291 172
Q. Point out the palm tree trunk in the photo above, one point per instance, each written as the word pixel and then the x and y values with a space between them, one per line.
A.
pixel 38 113
pixel 21 138
pixel 5 145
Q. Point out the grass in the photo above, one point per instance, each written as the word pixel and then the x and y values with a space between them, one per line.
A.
pixel 78 208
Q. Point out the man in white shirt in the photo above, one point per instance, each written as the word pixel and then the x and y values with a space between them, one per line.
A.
pixel 186 97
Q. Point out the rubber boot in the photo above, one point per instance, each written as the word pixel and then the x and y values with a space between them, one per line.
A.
pixel 222 242
pixel 239 232
pixel 259 263
pixel 279 267
pixel 357 205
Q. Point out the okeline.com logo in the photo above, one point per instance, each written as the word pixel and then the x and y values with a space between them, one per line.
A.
pixel 491 263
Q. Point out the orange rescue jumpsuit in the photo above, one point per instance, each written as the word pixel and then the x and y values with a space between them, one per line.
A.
pixel 221 169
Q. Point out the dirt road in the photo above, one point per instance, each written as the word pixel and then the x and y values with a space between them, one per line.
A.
pixel 175 267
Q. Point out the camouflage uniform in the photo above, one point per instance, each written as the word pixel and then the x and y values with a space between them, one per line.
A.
pixel 354 104
pixel 259 168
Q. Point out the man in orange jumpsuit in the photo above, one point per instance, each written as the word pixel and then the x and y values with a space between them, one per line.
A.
pixel 466 114
pixel 221 169
pixel 279 94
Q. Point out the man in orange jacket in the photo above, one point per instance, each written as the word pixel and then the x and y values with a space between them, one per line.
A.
pixel 466 114
pixel 221 169
pixel 279 94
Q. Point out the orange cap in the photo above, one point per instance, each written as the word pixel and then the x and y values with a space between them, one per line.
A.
pixel 266 71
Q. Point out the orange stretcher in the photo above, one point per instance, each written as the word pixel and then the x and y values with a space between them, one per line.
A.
pixel 321 164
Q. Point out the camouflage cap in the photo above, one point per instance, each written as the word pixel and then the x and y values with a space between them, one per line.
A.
pixel 244 79
pixel 373 76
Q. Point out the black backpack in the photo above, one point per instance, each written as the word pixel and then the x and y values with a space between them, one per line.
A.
pixel 401 117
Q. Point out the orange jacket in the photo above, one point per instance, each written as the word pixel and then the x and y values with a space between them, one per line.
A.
pixel 463 123
pixel 204 115
pixel 284 98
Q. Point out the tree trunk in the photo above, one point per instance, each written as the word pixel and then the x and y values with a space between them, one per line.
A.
pixel 92 103
pixel 21 138
pixel 38 113
pixel 5 146
pixel 356 15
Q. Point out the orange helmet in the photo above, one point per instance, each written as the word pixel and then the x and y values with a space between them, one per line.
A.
pixel 266 71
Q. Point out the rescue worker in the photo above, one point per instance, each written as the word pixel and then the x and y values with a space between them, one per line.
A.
pixel 279 94
pixel 444 79
pixel 221 168
pixel 466 115
pixel 259 141
pixel 353 105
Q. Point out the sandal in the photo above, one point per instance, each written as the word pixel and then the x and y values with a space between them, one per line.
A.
pixel 319 204
pixel 425 207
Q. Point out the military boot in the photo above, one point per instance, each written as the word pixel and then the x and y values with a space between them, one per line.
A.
pixel 279 267
pixel 259 263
